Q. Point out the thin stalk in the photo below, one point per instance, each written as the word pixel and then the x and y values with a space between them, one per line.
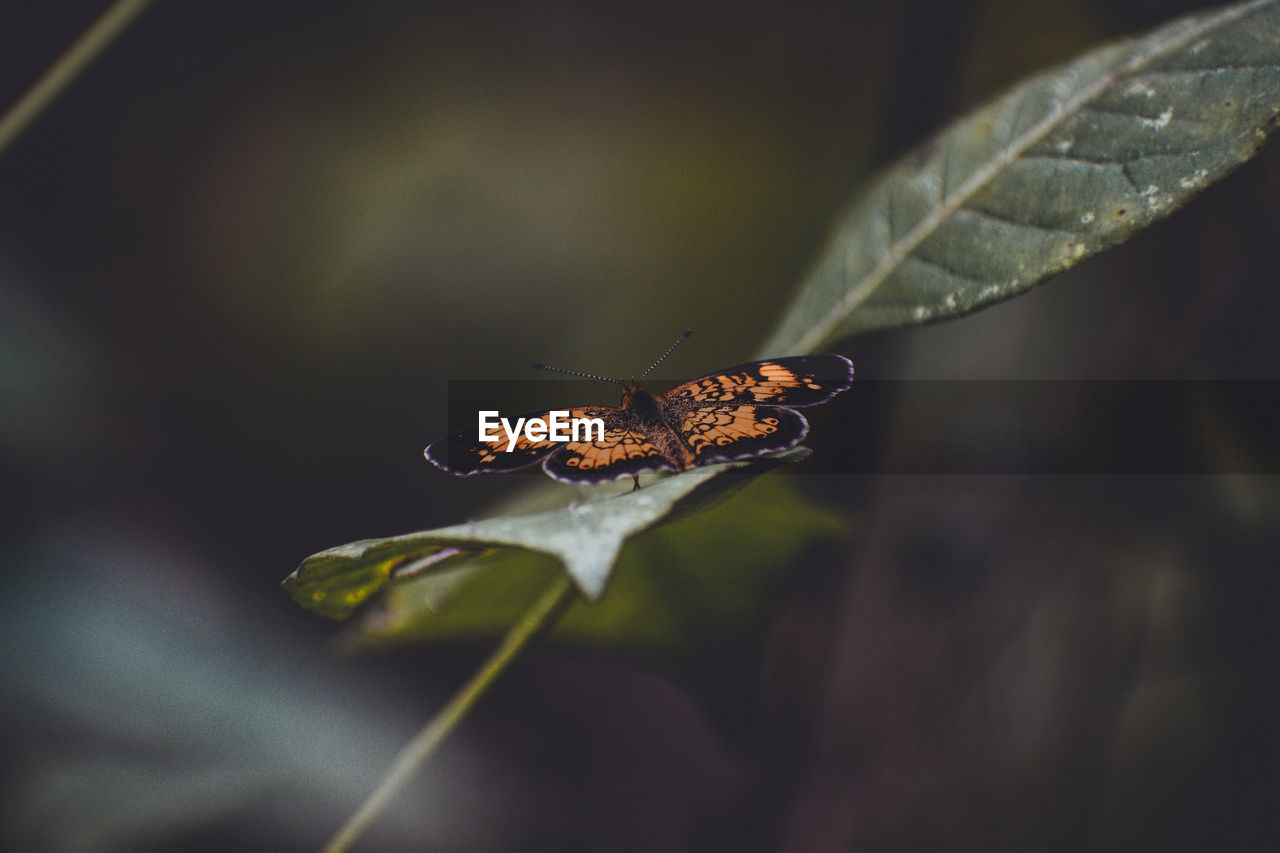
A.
pixel 416 752
pixel 68 67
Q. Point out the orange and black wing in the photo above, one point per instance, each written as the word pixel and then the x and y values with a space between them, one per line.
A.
pixel 464 454
pixel 724 433
pixel 802 380
pixel 622 452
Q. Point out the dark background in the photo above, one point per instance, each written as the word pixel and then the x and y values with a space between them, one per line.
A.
pixel 240 261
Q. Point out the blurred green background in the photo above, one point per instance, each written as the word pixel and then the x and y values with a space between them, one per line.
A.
pixel 240 261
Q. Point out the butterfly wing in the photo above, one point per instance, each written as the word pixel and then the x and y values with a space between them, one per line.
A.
pixel 802 380
pixel 622 452
pixel 730 414
pixel 464 454
pixel 728 432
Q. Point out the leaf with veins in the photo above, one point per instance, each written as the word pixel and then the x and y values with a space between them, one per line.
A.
pixel 1067 164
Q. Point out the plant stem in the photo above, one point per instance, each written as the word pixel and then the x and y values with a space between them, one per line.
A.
pixel 416 752
pixel 68 67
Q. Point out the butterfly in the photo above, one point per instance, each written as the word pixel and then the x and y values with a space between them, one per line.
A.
pixel 737 413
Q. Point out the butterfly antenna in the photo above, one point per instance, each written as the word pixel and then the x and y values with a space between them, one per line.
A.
pixel 670 349
pixel 540 366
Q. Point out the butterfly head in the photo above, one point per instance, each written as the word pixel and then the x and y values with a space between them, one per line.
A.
pixel 641 402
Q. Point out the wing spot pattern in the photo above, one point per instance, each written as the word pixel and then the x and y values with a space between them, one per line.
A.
pixel 723 427
pixel 616 447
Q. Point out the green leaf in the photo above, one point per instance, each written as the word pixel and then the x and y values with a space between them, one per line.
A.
pixel 1065 165
pixel 687 586
pixel 585 538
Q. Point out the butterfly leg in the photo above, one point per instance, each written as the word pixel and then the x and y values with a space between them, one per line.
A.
pixel 636 478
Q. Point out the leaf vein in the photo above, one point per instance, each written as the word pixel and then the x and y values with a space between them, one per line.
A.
pixel 971 208
pixel 1073 158
pixel 920 257
pixel 1128 176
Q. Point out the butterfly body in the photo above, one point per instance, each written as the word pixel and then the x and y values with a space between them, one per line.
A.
pixel 733 414
pixel 646 413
